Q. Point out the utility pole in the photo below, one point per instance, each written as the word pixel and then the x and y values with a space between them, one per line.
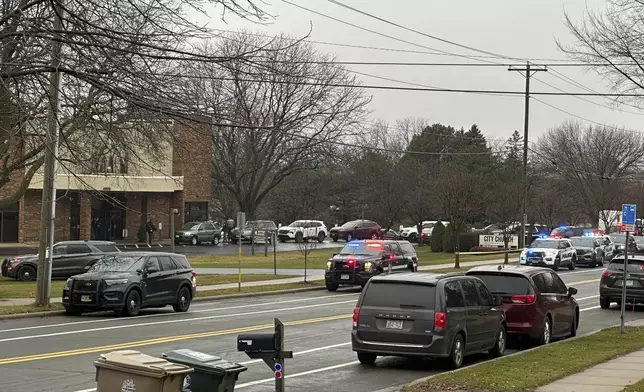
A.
pixel 529 71
pixel 48 206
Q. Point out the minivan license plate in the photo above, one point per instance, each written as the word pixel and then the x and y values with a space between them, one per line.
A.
pixel 86 298
pixel 630 283
pixel 394 324
pixel 345 277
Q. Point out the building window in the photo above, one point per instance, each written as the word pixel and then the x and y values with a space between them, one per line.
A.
pixel 196 211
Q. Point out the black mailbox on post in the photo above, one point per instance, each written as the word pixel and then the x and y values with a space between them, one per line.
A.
pixel 256 343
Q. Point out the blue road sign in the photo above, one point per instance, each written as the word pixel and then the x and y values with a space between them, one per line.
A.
pixel 278 367
pixel 629 214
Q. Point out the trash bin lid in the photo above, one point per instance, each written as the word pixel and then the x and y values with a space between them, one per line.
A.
pixel 136 360
pixel 205 362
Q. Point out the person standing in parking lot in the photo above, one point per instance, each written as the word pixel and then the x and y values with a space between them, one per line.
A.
pixel 150 229
pixel 230 225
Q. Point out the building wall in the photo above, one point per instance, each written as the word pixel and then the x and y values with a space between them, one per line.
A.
pixel 159 212
pixel 133 216
pixel 192 159
pixel 30 217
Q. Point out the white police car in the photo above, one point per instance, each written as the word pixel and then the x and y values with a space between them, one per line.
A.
pixel 550 252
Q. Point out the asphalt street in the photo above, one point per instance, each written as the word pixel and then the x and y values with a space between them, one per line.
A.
pixel 56 354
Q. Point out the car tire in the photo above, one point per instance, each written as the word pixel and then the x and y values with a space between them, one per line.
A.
pixel 546 335
pixel 321 237
pixel 574 325
pixel 72 311
pixel 215 240
pixel 573 264
pixel 594 264
pixel 604 302
pixel 334 239
pixel 331 286
pixel 26 273
pixel 499 346
pixel 366 358
pixel 194 241
pixel 132 305
pixel 299 237
pixel 183 300
pixel 457 352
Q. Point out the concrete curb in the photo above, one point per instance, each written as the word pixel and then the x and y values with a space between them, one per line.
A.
pixel 421 380
pixel 19 316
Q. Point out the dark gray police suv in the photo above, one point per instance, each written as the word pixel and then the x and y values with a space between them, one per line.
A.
pixel 358 261
pixel 427 315
pixel 128 282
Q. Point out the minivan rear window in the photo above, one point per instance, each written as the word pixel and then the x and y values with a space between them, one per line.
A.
pixel 634 265
pixel 399 295
pixel 504 283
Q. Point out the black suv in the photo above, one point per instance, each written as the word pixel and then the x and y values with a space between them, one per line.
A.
pixel 427 315
pixel 358 261
pixel 69 258
pixel 590 250
pixel 610 284
pixel 128 282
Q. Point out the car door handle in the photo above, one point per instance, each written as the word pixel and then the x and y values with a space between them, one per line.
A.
pixel 482 313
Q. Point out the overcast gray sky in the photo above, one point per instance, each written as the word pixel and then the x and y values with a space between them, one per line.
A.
pixel 523 29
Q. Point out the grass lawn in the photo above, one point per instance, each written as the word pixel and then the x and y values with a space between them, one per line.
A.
pixel 318 258
pixel 637 387
pixel 261 289
pixel 19 309
pixel 552 362
pixel 10 288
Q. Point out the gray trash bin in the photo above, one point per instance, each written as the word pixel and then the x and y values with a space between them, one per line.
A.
pixel 211 373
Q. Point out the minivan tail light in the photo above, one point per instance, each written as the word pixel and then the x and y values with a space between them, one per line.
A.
pixel 606 273
pixel 440 320
pixel 523 299
pixel 356 313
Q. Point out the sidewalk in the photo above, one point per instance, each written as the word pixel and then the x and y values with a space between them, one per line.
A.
pixel 611 376
pixel 312 275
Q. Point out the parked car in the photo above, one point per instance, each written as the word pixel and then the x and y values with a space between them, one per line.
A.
pixel 549 252
pixel 428 228
pixel 262 229
pixel 409 233
pixel 612 280
pixel 609 246
pixel 590 251
pixel 129 282
pixel 536 302
pixel 302 230
pixel 68 258
pixel 620 243
pixel 389 234
pixel 197 232
pixel 358 261
pixel 568 231
pixel 356 230
pixel 427 315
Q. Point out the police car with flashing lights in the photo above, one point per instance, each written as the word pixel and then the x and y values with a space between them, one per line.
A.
pixel 358 261
pixel 550 252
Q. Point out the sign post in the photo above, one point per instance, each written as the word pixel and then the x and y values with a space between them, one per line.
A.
pixel 241 222
pixel 629 215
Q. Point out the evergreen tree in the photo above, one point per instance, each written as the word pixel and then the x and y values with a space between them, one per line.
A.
pixel 438 233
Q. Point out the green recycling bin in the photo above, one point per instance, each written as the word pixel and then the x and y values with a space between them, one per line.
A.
pixel 211 373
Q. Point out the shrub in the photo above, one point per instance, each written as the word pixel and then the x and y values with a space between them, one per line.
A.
pixel 438 233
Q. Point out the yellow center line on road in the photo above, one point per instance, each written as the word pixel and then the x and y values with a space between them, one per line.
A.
pixel 169 339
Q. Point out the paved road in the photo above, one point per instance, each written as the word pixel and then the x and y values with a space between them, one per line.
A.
pixel 56 354
pixel 205 249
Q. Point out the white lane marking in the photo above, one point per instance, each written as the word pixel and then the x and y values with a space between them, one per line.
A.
pixel 581 272
pixel 585 298
pixel 313 350
pixel 591 308
pixel 324 369
pixel 118 319
pixel 172 321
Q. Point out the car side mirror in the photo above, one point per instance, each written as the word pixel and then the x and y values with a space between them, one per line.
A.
pixel 151 270
pixel 498 300
pixel 571 291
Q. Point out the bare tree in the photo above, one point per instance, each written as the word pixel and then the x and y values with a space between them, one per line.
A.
pixel 118 60
pixel 306 247
pixel 504 197
pixel 594 162
pixel 460 196
pixel 612 42
pixel 278 124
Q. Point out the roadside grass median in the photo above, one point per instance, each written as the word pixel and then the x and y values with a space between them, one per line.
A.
pixel 637 387
pixel 318 258
pixel 539 367
pixel 261 289
pixel 22 309
pixel 10 288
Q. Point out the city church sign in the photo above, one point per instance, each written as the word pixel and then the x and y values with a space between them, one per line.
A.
pixel 496 241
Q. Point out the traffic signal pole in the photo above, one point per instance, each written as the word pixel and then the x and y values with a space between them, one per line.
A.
pixel 529 71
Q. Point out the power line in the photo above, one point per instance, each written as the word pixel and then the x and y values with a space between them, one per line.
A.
pixel 382 34
pixel 423 34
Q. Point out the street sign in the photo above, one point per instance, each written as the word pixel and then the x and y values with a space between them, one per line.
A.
pixel 629 215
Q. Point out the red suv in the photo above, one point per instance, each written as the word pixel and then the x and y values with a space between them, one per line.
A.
pixel 356 230
pixel 536 302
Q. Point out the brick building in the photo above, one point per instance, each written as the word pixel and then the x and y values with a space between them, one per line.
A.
pixel 115 202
